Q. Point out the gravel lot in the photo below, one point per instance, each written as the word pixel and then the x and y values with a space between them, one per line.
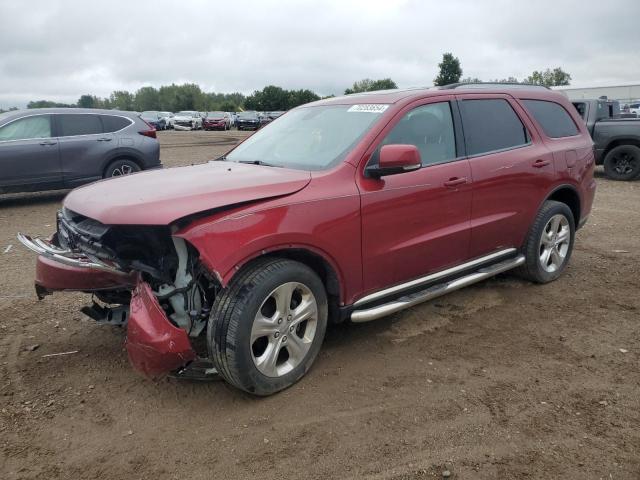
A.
pixel 502 380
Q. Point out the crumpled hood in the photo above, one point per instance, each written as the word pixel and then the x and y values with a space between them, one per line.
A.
pixel 159 197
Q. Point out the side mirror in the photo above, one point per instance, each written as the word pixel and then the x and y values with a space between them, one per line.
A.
pixel 395 159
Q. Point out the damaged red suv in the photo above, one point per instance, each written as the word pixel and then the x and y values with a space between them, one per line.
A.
pixel 350 208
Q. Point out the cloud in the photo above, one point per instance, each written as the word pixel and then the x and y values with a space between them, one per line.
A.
pixel 61 50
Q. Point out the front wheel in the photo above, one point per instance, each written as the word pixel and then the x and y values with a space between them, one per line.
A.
pixel 549 243
pixel 267 326
pixel 622 163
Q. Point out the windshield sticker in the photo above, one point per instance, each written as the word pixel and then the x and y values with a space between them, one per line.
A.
pixel 369 108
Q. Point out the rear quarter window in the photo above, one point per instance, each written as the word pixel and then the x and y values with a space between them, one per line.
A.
pixel 491 125
pixel 113 124
pixel 552 117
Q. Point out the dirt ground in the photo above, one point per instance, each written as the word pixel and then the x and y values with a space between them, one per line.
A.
pixel 502 380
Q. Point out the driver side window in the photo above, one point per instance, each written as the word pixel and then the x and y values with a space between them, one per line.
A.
pixel 430 129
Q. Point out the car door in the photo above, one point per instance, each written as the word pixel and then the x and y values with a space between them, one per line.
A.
pixel 29 155
pixel 416 223
pixel 510 166
pixel 83 147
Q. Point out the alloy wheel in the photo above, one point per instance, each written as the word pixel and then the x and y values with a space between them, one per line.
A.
pixel 554 243
pixel 283 329
pixel 625 163
pixel 122 170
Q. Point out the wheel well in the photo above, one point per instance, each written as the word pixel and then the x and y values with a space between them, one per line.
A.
pixel 122 157
pixel 322 268
pixel 569 197
pixel 618 142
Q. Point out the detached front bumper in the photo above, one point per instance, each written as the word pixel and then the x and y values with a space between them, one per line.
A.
pixel 63 269
pixel 154 345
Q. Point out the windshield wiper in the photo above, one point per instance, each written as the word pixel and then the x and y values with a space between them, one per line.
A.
pixel 259 162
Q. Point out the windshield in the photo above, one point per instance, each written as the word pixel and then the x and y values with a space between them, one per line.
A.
pixel 247 115
pixel 151 115
pixel 186 113
pixel 215 114
pixel 308 138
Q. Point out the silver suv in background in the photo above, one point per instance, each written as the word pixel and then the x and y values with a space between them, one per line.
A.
pixel 60 148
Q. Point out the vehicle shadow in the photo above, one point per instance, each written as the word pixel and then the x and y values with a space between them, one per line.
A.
pixel 32 198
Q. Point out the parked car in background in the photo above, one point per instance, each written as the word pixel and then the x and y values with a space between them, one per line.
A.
pixel 216 121
pixel 353 207
pixel 47 149
pixel 616 138
pixel 232 118
pixel 168 118
pixel 155 119
pixel 274 115
pixel 247 121
pixel 187 120
pixel 634 108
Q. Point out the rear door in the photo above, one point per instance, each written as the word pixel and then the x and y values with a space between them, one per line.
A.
pixel 417 222
pixel 29 155
pixel 511 170
pixel 83 147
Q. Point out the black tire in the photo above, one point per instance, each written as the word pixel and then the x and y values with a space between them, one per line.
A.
pixel 534 268
pixel 120 167
pixel 622 163
pixel 233 316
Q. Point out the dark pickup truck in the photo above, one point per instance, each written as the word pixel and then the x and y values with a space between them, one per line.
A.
pixel 617 139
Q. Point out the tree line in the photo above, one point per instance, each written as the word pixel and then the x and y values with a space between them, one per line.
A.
pixel 189 96
pixel 451 72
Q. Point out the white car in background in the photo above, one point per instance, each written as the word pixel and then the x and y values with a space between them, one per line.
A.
pixel 634 108
pixel 187 120
pixel 169 118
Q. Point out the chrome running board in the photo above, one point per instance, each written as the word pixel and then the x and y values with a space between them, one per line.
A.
pixel 434 276
pixel 434 291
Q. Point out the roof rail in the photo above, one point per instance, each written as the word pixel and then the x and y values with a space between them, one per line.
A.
pixel 453 86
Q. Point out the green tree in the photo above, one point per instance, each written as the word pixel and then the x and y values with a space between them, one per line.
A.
pixel 121 100
pixel 147 98
pixel 300 97
pixel 368 85
pixel 47 104
pixel 549 78
pixel 273 98
pixel 450 70
pixel 89 101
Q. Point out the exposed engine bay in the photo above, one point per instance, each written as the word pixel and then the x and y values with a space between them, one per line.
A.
pixel 183 287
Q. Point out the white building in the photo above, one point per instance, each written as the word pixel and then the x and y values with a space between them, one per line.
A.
pixel 623 93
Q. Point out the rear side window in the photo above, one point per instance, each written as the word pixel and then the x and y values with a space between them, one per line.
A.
pixel 552 117
pixel 37 126
pixel 491 125
pixel 112 123
pixel 581 108
pixel 79 124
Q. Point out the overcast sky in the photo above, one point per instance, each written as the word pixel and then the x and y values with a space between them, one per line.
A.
pixel 59 50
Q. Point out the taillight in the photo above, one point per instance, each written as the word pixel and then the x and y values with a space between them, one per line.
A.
pixel 151 132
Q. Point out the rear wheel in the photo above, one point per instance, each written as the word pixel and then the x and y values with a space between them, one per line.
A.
pixel 267 326
pixel 549 243
pixel 121 167
pixel 623 163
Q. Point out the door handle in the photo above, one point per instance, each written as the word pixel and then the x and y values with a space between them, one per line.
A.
pixel 455 181
pixel 541 163
pixel 48 142
pixel 104 139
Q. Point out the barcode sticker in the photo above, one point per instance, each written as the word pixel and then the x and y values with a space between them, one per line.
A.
pixel 369 108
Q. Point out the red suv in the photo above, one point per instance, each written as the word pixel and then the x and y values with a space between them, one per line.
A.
pixel 347 208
